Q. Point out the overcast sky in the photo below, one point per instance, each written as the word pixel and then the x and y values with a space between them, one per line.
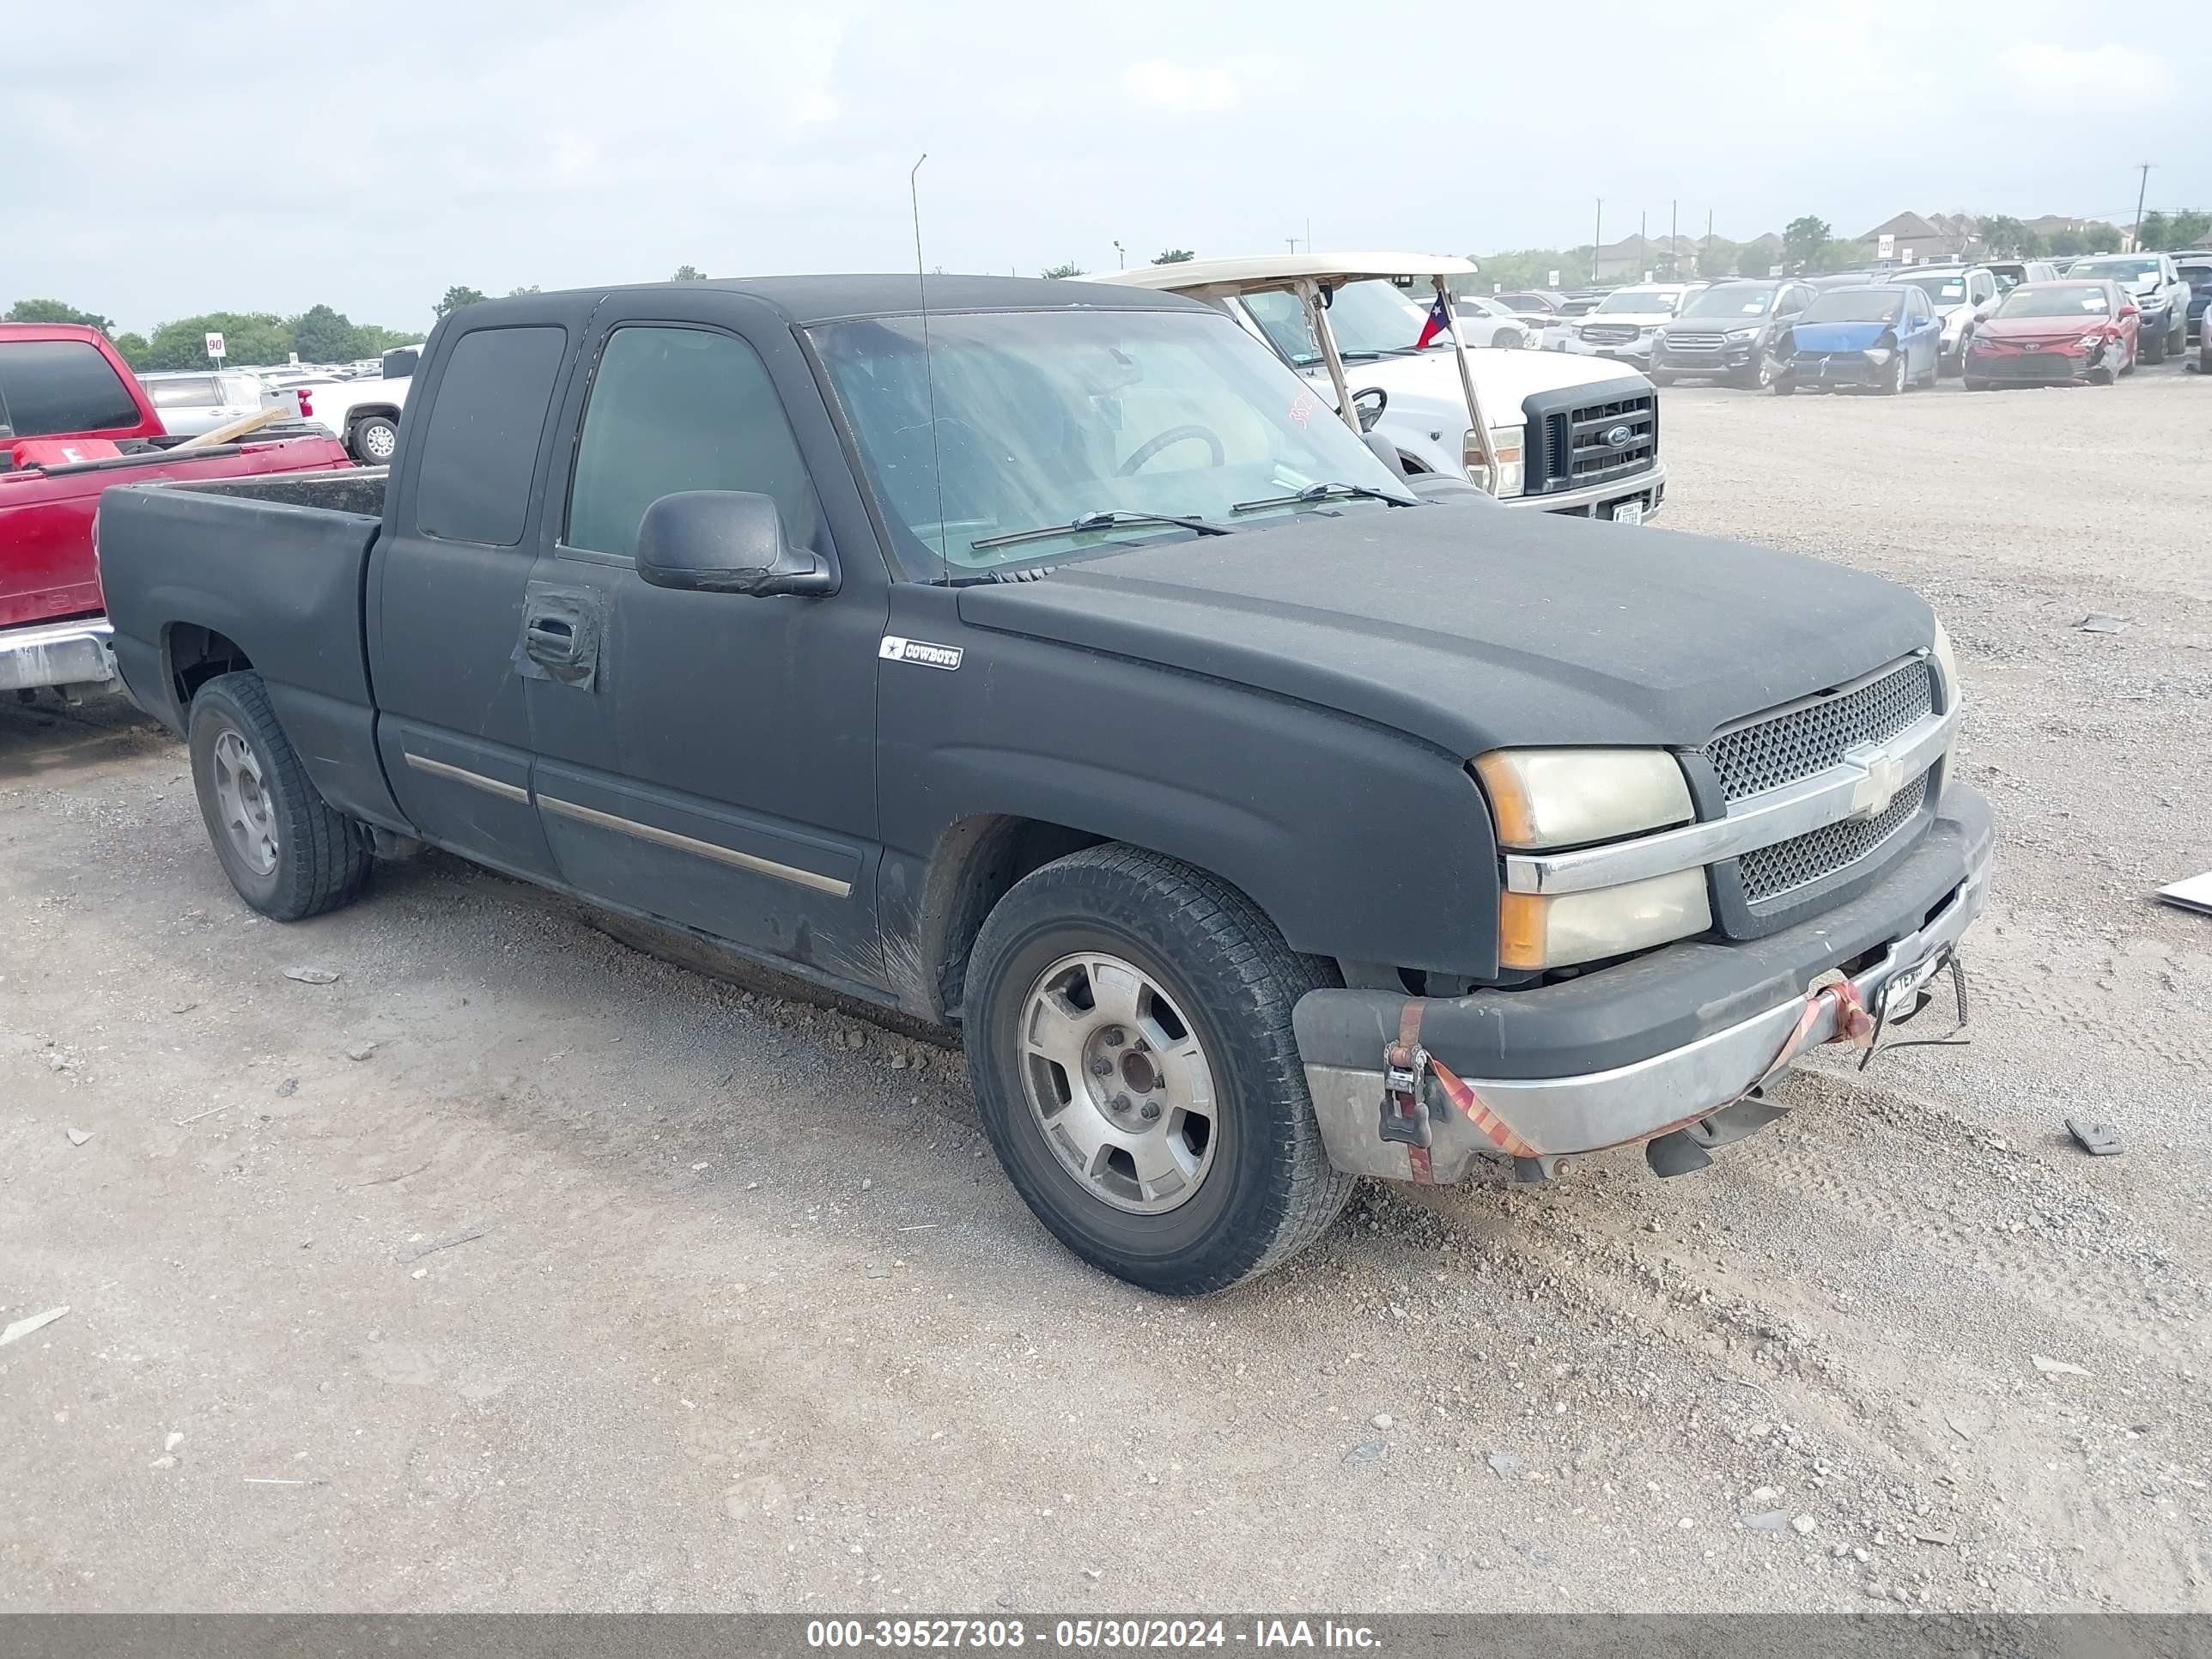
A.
pixel 163 160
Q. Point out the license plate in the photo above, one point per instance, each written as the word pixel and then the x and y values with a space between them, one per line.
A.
pixel 1628 511
pixel 1898 994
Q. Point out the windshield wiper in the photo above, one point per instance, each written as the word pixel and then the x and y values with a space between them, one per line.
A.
pixel 1321 492
pixel 1100 521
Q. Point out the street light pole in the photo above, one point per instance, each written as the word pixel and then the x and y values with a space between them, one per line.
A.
pixel 2135 236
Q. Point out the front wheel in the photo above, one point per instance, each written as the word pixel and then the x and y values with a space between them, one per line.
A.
pixel 1129 1040
pixel 1900 374
pixel 288 854
pixel 1660 377
pixel 1759 373
pixel 2156 354
pixel 1784 385
pixel 1976 384
pixel 1507 340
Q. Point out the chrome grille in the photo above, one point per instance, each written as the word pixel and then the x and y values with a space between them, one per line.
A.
pixel 1691 342
pixel 1610 333
pixel 1771 873
pixel 1773 750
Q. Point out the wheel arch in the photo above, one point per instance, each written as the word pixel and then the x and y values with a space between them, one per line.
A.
pixel 192 654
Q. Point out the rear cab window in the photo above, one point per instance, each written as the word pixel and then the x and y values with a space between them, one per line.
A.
pixel 61 385
pixel 472 481
pixel 194 391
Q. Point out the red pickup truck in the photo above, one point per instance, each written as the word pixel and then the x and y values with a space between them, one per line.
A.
pixel 74 420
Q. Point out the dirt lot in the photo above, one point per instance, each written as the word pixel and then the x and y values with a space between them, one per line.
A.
pixel 516 1269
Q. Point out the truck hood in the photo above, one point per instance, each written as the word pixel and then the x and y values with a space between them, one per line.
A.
pixel 1470 631
pixel 1504 378
pixel 1819 338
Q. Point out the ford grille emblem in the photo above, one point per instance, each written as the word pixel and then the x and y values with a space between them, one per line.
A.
pixel 1618 437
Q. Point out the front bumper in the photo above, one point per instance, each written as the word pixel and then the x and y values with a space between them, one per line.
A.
pixel 1669 1041
pixel 1726 360
pixel 1637 351
pixel 2041 364
pixel 1836 369
pixel 1598 501
pixel 57 654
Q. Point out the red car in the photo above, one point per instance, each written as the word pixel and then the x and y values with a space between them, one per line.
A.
pixel 2044 332
pixel 74 420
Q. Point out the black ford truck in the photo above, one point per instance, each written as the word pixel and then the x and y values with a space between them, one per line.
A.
pixel 1047 664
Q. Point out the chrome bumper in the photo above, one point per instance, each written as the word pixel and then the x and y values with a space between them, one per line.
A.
pixel 1689 1088
pixel 1652 486
pixel 57 654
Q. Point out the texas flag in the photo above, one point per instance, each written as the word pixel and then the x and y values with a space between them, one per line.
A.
pixel 1439 320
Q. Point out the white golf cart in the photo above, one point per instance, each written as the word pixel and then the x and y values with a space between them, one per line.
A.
pixel 1536 429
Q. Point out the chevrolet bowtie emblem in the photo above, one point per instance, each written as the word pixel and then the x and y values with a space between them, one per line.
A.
pixel 1885 776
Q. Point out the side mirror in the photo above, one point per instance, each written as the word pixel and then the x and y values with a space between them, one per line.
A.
pixel 2130 311
pixel 725 541
pixel 1369 405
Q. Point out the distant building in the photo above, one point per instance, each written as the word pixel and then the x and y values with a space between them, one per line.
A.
pixel 1916 240
pixel 1627 259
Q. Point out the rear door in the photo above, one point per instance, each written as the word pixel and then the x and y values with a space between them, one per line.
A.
pixel 446 586
pixel 708 759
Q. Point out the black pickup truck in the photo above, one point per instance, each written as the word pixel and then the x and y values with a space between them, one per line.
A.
pixel 1049 665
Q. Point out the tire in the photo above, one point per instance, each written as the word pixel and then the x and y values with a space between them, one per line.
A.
pixel 1784 387
pixel 1215 978
pixel 1660 377
pixel 1900 378
pixel 1974 385
pixel 1507 340
pixel 2155 355
pixel 1758 374
pixel 294 857
pixel 374 439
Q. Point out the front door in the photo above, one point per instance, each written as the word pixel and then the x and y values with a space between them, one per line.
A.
pixel 707 758
pixel 446 592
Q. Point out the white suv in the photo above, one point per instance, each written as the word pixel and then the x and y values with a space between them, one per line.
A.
pixel 1626 322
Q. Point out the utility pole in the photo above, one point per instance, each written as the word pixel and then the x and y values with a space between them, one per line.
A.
pixel 1294 242
pixel 1673 240
pixel 1708 248
pixel 1598 240
pixel 2135 236
pixel 1643 242
pixel 1120 259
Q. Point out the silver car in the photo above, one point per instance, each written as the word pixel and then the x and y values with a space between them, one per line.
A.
pixel 193 401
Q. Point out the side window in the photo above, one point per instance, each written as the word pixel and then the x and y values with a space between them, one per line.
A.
pixel 473 479
pixel 676 408
pixel 62 385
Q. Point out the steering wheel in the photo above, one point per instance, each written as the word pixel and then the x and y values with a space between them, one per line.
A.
pixel 1174 434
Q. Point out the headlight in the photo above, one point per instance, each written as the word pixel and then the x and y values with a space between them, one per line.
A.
pixel 1537 931
pixel 1545 798
pixel 2091 342
pixel 1878 354
pixel 1738 335
pixel 1946 667
pixel 1505 443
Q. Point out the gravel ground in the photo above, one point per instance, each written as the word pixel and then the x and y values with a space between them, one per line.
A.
pixel 517 1269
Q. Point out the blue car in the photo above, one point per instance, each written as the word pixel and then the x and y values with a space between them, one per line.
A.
pixel 1887 338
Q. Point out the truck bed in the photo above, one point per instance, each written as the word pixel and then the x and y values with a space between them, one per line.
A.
pixel 275 567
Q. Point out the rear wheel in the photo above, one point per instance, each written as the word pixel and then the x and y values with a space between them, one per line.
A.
pixel 1129 1040
pixel 288 854
pixel 375 441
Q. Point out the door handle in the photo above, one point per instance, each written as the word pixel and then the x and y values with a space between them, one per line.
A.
pixel 551 640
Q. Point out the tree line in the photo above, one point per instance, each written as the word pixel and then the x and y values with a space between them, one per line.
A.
pixel 319 334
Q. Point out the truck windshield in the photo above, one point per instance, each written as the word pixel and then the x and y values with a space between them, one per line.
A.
pixel 1370 320
pixel 1642 302
pixel 2118 270
pixel 1045 418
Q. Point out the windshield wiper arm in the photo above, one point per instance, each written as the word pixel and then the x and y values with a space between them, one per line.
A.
pixel 1321 492
pixel 1100 521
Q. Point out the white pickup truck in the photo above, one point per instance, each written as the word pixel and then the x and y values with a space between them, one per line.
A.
pixel 364 415
pixel 1570 435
